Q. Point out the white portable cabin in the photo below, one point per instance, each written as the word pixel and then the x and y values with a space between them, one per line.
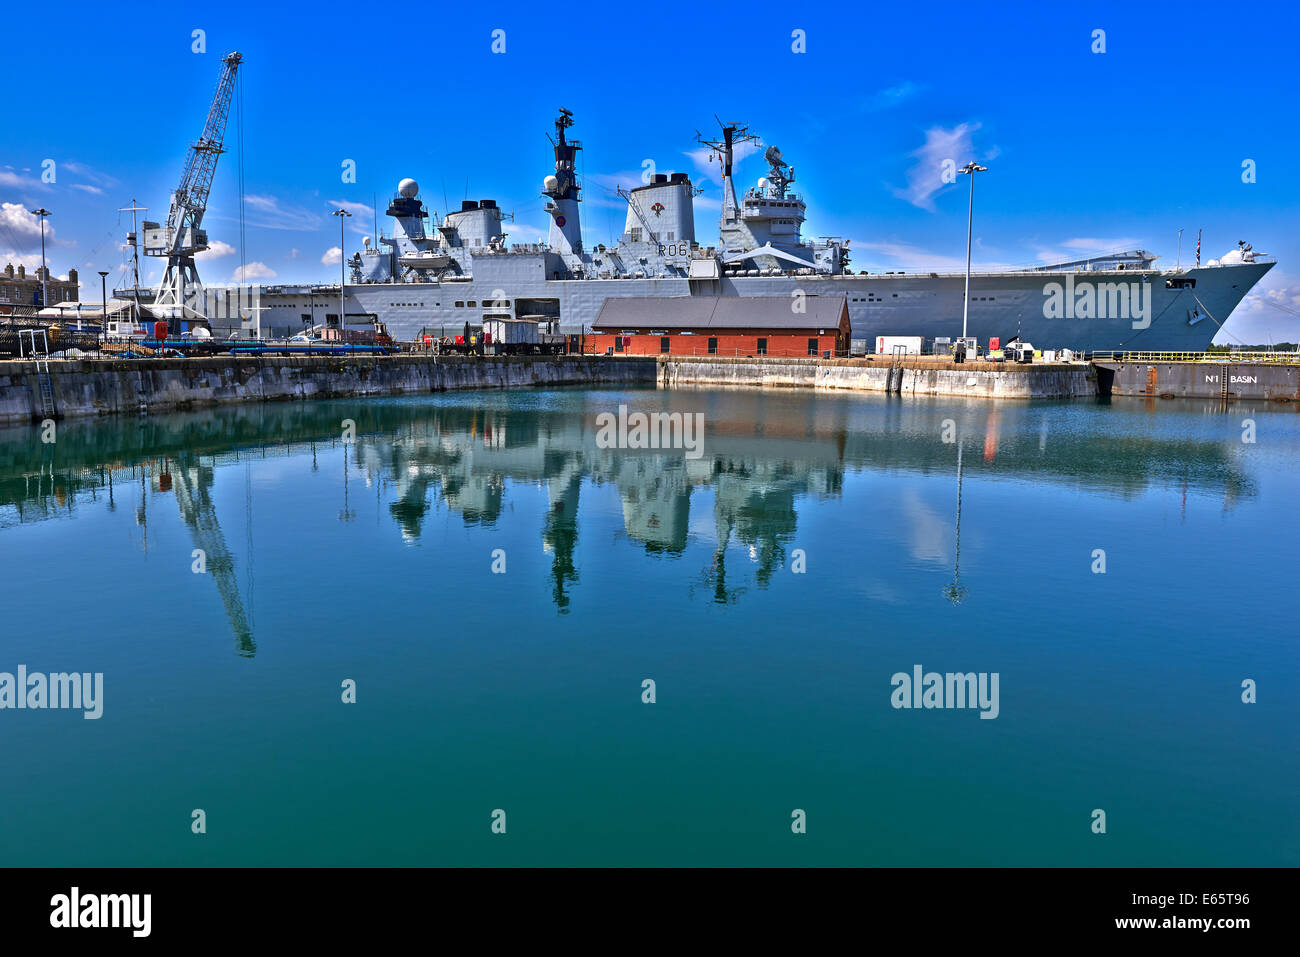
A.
pixel 510 331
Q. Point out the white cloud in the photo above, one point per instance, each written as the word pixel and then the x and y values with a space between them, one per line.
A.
pixel 713 169
pixel 925 178
pixel 1270 313
pixel 86 187
pixel 32 261
pixel 356 209
pixel 21 227
pixel 333 256
pixel 252 271
pixel 216 249
pixel 293 254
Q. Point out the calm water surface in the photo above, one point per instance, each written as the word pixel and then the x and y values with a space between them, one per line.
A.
pixel 373 561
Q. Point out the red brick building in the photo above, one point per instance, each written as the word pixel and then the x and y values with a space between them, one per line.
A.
pixel 722 325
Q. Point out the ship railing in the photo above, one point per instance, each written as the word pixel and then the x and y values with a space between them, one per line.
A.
pixel 1274 358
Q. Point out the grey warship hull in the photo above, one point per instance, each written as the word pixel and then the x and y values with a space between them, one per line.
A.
pixel 1183 317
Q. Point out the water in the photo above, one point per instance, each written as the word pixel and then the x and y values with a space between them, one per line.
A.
pixel 522 691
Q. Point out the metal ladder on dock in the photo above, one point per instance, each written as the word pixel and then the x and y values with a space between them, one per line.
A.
pixel 41 356
pixel 898 353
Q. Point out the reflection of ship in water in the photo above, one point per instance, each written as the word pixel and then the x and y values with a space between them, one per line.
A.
pixel 468 456
pixel 763 454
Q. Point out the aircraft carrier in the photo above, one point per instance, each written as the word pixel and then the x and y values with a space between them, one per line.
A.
pixel 435 275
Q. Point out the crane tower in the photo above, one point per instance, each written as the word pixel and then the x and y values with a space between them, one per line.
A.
pixel 183 236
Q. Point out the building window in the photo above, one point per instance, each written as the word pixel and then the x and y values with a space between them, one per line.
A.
pixel 460 304
pixel 636 234
pixel 618 343
pixel 665 345
pixel 472 303
pixel 762 347
pixel 713 346
pixel 812 347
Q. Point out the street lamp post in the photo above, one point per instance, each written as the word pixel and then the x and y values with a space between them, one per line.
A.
pixel 103 317
pixel 45 272
pixel 970 169
pixel 341 213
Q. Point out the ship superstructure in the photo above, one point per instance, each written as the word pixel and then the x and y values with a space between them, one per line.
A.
pixel 436 277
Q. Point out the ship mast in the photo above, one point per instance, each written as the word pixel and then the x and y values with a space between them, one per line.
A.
pixel 732 133
pixel 562 189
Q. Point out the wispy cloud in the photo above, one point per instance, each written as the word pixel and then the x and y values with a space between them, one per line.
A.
pixel 602 188
pixel 1084 246
pixel 87 188
pixel 905 254
pixel 1092 245
pixel 333 256
pixel 526 233
pixel 925 178
pixel 89 174
pixel 891 96
pixel 267 212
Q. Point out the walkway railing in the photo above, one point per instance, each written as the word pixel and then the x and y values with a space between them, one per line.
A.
pixel 1275 358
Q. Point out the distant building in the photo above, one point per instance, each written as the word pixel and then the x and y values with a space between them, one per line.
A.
pixel 722 325
pixel 17 288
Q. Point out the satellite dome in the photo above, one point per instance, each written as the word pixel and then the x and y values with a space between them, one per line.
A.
pixel 408 188
pixel 762 182
pixel 550 183
pixel 366 242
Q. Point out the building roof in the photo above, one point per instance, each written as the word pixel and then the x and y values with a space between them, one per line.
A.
pixel 719 312
pixel 73 309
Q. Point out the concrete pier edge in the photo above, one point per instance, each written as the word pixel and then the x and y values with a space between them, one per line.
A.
pixel 88 387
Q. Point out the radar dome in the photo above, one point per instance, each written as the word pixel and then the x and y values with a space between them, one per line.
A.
pixel 408 188
pixel 762 182
pixel 550 183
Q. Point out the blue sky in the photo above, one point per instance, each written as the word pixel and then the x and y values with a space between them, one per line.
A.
pixel 1086 151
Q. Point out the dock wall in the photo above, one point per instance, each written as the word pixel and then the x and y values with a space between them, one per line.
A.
pixel 916 376
pixel 105 387
pixel 1200 380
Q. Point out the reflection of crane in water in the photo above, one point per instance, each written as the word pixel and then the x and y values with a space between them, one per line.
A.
pixel 956 592
pixel 192 484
